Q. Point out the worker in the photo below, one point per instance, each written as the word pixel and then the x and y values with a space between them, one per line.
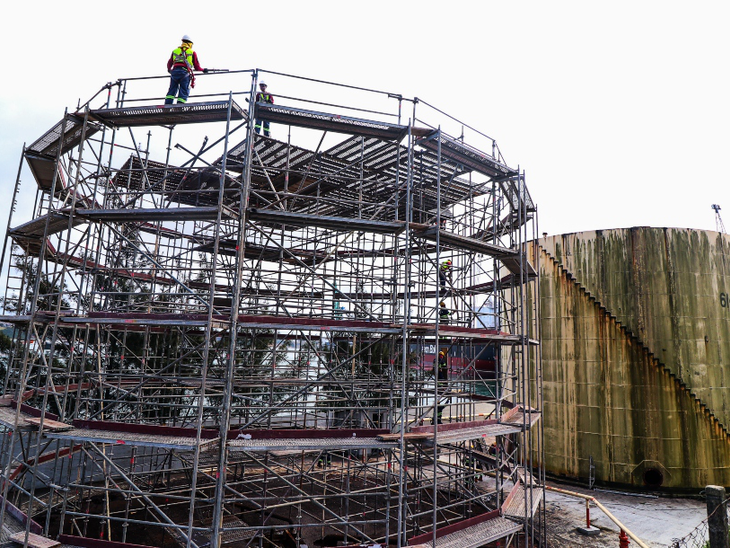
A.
pixel 469 471
pixel 444 313
pixel 445 272
pixel 183 60
pixel 440 414
pixel 263 97
pixel 443 367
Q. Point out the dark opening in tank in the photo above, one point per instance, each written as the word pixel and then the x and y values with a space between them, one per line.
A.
pixel 653 477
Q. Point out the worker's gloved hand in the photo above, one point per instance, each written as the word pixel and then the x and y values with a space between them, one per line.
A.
pixel 205 71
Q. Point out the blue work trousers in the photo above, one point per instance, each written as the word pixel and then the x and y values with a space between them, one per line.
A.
pixel 257 127
pixel 179 85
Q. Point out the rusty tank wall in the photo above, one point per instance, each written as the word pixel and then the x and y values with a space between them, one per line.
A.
pixel 635 341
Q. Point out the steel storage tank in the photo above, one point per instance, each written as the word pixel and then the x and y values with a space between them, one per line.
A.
pixel 635 338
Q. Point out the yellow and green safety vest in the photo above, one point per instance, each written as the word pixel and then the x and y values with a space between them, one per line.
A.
pixel 185 57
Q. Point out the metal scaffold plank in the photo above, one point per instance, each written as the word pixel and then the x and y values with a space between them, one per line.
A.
pixel 123 320
pixel 57 222
pixel 324 221
pixel 316 324
pixel 329 122
pixel 464 242
pixel 309 444
pixel 135 435
pixel 155 115
pixel 476 535
pixel 461 153
pixel 510 258
pixel 73 132
pixel 127 438
pixel 43 169
pixel 454 331
pixel 469 533
pixel 523 500
pixel 488 429
pixel 154 214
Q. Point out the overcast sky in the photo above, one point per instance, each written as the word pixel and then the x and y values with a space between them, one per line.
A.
pixel 617 111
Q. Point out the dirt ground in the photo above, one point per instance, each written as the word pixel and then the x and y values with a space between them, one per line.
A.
pixel 655 521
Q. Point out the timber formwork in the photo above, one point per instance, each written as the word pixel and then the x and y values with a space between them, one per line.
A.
pixel 237 343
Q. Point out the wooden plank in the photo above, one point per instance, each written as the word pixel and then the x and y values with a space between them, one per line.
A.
pixel 34 541
pixel 54 426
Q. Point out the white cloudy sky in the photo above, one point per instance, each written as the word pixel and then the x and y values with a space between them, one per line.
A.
pixel 618 111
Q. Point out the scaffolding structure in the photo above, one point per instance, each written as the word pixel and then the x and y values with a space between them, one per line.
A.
pixel 316 339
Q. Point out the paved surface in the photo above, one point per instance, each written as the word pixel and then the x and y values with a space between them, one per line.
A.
pixel 656 521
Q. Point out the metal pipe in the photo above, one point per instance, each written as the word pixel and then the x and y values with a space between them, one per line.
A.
pixel 605 510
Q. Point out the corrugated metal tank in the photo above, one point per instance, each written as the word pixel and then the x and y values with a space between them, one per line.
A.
pixel 635 339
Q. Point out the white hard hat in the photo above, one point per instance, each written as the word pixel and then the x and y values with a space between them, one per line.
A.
pixel 262 83
pixel 187 38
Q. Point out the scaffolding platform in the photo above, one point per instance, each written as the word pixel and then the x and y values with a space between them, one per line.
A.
pixel 271 216
pixel 330 122
pixel 33 540
pixel 154 214
pixel 469 533
pixel 460 153
pixel 519 416
pixel 510 257
pixel 142 319
pixel 457 332
pixel 161 115
pixel 261 252
pixel 316 324
pixel 134 435
pixel 43 170
pixel 29 418
pixel 522 501
pixel 7 419
pixel 58 221
pixel 465 431
pixel 49 424
pixel 41 154
pixel 309 444
pixel 295 171
pixel 33 247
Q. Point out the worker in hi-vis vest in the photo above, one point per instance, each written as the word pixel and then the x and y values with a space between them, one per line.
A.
pixel 183 60
pixel 263 97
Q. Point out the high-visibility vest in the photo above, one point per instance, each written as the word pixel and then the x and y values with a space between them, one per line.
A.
pixel 185 57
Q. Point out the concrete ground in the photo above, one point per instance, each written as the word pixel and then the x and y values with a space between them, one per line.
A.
pixel 655 521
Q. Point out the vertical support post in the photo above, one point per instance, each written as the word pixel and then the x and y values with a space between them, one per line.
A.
pixel 717 516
